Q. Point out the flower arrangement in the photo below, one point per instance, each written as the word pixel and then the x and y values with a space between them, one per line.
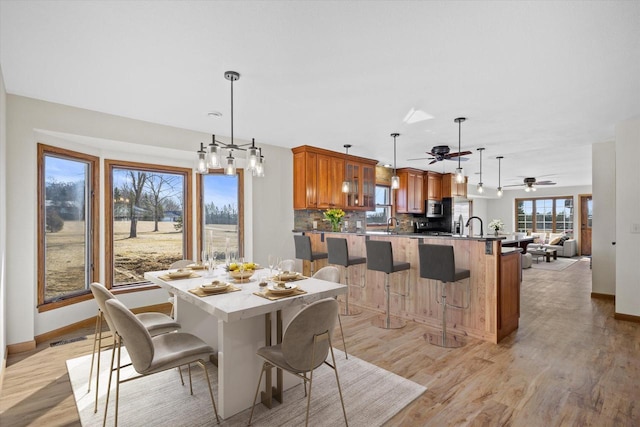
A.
pixel 334 216
pixel 496 225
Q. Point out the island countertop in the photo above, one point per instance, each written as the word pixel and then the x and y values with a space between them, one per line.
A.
pixel 404 235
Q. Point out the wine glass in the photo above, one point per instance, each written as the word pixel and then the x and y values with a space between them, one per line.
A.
pixel 272 263
pixel 241 268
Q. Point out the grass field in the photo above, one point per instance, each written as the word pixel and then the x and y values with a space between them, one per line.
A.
pixel 149 251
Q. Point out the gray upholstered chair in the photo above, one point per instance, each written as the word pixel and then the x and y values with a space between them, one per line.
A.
pixel 150 355
pixel 380 258
pixel 155 323
pixel 305 346
pixel 438 262
pixel 288 265
pixel 304 252
pixel 339 255
pixel 332 274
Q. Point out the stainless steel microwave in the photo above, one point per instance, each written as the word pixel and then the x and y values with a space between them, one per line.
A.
pixel 433 208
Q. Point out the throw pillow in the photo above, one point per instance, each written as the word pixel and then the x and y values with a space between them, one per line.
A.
pixel 563 239
pixel 556 241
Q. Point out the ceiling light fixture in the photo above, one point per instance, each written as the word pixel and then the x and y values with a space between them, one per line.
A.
pixel 499 186
pixel 395 181
pixel 459 172
pixel 346 184
pixel 212 156
pixel 480 188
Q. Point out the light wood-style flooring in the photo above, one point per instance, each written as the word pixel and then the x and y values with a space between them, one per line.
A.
pixel 570 363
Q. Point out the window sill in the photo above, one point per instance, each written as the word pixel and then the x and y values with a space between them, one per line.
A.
pixel 118 290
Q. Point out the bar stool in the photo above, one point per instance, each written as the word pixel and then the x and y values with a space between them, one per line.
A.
pixel 304 252
pixel 380 258
pixel 339 255
pixel 437 262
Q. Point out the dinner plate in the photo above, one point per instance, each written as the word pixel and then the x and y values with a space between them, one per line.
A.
pixel 215 287
pixel 178 274
pixel 276 290
pixel 288 275
pixel 197 266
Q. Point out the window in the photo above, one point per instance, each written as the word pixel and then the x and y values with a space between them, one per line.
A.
pixel 148 220
pixel 549 214
pixel 67 226
pixel 383 207
pixel 221 213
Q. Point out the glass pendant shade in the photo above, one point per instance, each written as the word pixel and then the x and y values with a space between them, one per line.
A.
pixel 480 188
pixel 230 168
pixel 201 160
pixel 213 157
pixel 499 193
pixel 346 188
pixel 395 182
pixel 459 176
pixel 259 170
pixel 252 157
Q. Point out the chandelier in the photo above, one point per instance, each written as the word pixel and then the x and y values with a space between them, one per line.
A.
pixel 212 158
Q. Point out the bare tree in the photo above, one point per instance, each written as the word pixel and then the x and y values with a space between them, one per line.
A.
pixel 138 180
pixel 162 187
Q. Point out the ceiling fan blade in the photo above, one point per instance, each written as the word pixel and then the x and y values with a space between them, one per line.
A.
pixel 513 185
pixel 433 161
pixel 461 153
pixel 545 183
pixel 455 159
pixel 421 158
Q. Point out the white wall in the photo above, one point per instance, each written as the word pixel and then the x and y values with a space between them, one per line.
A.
pixel 3 222
pixel 32 121
pixel 603 273
pixel 627 216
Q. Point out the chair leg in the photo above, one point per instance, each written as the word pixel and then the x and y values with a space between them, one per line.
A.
pixel 348 311
pixel 335 369
pixel 106 403
pixel 442 340
pixel 213 402
pixel 344 343
pixel 100 317
pixel 190 382
pixel 93 355
pixel 255 398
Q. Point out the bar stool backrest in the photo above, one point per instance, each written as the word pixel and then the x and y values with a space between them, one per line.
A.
pixel 303 247
pixel 379 256
pixel 338 251
pixel 437 262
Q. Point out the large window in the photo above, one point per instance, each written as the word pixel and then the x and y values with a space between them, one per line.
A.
pixel 549 214
pixel 148 219
pixel 221 213
pixel 67 226
pixel 383 207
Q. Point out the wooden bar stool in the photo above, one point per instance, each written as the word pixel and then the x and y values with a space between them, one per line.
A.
pixel 380 258
pixel 304 252
pixel 339 255
pixel 438 262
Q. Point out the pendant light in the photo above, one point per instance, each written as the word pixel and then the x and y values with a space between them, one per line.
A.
pixel 346 184
pixel 213 157
pixel 459 172
pixel 395 181
pixel 499 185
pixel 480 188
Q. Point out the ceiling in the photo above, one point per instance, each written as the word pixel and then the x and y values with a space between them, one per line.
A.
pixel 539 82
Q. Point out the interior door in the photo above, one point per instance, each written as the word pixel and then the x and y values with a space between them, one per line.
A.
pixel 586 220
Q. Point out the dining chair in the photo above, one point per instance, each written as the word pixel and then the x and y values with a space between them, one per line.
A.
pixel 305 346
pixel 332 274
pixel 155 323
pixel 151 355
pixel 177 264
pixel 288 265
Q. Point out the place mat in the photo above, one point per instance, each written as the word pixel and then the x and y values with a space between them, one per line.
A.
pixel 167 277
pixel 272 297
pixel 199 292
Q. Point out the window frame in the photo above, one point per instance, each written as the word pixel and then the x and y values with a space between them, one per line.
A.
pixel 93 180
pixel 187 227
pixel 200 206
pixel 388 206
pixel 554 199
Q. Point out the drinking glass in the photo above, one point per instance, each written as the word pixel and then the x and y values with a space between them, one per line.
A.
pixel 241 268
pixel 272 263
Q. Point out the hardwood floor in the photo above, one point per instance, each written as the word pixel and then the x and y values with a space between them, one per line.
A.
pixel 569 363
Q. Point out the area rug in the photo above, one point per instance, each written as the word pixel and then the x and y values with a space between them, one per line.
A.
pixel 371 396
pixel 555 264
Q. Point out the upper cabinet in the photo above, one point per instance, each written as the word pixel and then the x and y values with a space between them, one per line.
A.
pixel 318 176
pixel 410 197
pixel 433 186
pixel 450 188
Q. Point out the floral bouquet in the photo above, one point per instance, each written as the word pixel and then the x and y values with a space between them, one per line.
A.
pixel 334 216
pixel 496 225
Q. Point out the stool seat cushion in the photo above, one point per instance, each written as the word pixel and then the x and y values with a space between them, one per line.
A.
pixel 355 260
pixel 318 255
pixel 461 273
pixel 400 266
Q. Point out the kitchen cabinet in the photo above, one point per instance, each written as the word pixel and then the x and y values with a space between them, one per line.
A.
pixel 450 188
pixel 433 186
pixel 410 197
pixel 318 175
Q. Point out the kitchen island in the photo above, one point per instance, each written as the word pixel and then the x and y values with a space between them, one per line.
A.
pixel 495 282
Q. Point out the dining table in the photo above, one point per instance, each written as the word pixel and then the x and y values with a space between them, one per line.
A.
pixel 237 323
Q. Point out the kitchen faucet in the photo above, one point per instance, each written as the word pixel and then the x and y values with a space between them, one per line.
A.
pixel 390 220
pixel 479 219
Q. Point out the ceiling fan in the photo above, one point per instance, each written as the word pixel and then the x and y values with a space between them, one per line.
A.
pixel 442 152
pixel 531 183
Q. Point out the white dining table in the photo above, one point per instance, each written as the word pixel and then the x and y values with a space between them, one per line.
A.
pixel 236 324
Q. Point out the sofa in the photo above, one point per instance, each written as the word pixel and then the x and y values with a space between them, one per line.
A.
pixel 563 244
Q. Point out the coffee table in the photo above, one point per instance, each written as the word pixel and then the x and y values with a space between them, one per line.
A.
pixel 545 252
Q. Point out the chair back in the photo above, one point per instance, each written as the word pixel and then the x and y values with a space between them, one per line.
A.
pixel 136 337
pixel 288 265
pixel 102 295
pixel 328 273
pixel 338 251
pixel 379 256
pixel 303 247
pixel 298 341
pixel 437 262
pixel 181 263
